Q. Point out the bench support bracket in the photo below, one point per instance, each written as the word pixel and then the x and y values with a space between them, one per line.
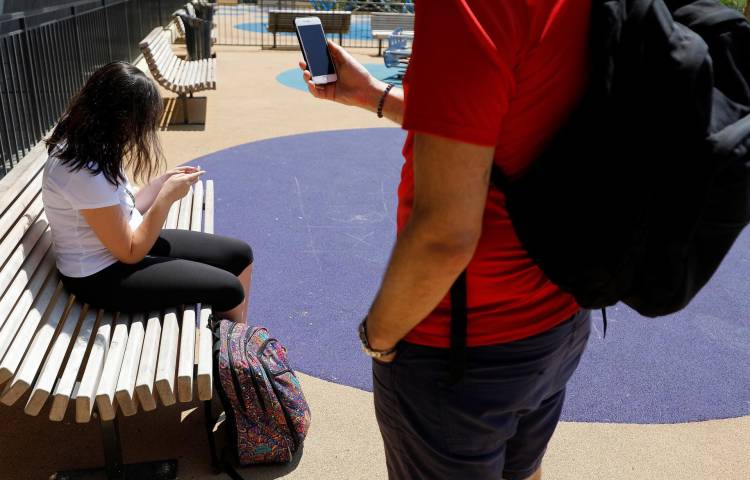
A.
pixel 115 469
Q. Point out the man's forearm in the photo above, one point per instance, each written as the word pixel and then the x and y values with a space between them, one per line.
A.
pixel 421 271
pixel 393 107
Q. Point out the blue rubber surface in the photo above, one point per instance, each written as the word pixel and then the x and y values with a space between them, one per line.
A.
pixel 292 77
pixel 319 211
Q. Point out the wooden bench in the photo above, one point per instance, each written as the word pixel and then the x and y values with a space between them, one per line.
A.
pixel 383 24
pixel 173 73
pixel 56 352
pixel 282 21
pixel 177 26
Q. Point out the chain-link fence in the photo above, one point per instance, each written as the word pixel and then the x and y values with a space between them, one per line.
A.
pixel 47 54
pixel 254 23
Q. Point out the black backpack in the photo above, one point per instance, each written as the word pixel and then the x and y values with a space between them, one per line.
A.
pixel 644 190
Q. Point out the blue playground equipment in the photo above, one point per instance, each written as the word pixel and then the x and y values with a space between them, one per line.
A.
pixel 403 6
pixel 323 5
pixel 398 52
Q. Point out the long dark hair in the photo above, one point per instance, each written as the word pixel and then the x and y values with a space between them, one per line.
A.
pixel 111 125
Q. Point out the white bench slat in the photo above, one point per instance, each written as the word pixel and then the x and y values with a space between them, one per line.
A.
pixel 177 21
pixel 23 250
pixel 174 212
pixel 207 73
pixel 204 377
pixel 168 74
pixel 24 200
pixel 18 230
pixel 125 392
pixel 188 82
pixel 201 75
pixel 168 66
pixel 165 58
pixel 212 77
pixel 18 179
pixel 18 285
pixel 28 302
pixel 105 392
pixel 45 382
pixel 209 203
pixel 167 364
pixel 184 80
pixel 174 76
pixel 86 392
pixel 186 205
pixel 39 310
pixel 35 354
pixel 159 52
pixel 187 77
pixel 198 75
pixel 204 74
pixel 186 364
pixel 66 384
pixel 196 216
pixel 151 36
pixel 144 386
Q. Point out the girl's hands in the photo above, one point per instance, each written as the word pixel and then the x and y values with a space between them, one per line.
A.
pixel 178 184
pixel 355 86
pixel 174 171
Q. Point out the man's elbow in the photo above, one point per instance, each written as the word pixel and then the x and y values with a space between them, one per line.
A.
pixel 454 248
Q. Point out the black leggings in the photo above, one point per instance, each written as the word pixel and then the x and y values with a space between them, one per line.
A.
pixel 183 267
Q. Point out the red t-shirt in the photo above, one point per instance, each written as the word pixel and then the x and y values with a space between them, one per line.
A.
pixel 505 74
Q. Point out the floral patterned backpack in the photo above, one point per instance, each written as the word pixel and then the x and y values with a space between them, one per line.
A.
pixel 267 417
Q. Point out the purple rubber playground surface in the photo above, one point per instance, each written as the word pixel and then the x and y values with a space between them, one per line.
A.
pixel 319 211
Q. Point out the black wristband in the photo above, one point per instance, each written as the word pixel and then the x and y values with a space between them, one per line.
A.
pixel 382 100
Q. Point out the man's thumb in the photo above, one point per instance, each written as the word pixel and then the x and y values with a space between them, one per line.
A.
pixel 335 52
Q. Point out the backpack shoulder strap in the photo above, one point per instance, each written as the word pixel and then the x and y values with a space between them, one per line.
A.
pixel 459 326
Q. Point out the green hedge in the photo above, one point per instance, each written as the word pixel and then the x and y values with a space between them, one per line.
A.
pixel 738 4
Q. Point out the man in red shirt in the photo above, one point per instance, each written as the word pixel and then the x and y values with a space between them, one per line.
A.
pixel 487 82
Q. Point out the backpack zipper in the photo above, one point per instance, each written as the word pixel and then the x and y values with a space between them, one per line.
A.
pixel 289 423
pixel 256 387
pixel 235 379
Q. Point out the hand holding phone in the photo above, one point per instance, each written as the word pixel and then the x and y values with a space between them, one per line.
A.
pixel 312 41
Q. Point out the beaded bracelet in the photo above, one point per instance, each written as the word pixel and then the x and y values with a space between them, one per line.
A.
pixel 382 100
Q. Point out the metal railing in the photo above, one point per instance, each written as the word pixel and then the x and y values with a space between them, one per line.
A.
pixel 247 23
pixel 46 55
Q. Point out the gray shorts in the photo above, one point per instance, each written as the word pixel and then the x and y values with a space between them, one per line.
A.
pixel 497 420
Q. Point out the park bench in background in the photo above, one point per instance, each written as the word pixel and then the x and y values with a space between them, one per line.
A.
pixel 282 21
pixel 383 25
pixel 177 25
pixel 56 352
pixel 175 74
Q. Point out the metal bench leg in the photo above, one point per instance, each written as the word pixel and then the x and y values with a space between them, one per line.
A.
pixel 380 47
pixel 115 469
pixel 185 116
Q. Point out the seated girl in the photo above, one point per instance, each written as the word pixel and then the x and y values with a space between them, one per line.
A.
pixel 110 248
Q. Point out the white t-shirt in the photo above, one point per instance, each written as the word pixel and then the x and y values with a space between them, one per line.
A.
pixel 78 251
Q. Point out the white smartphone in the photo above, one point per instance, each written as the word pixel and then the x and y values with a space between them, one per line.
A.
pixel 312 41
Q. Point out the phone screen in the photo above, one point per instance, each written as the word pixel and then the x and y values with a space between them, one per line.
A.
pixel 316 50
